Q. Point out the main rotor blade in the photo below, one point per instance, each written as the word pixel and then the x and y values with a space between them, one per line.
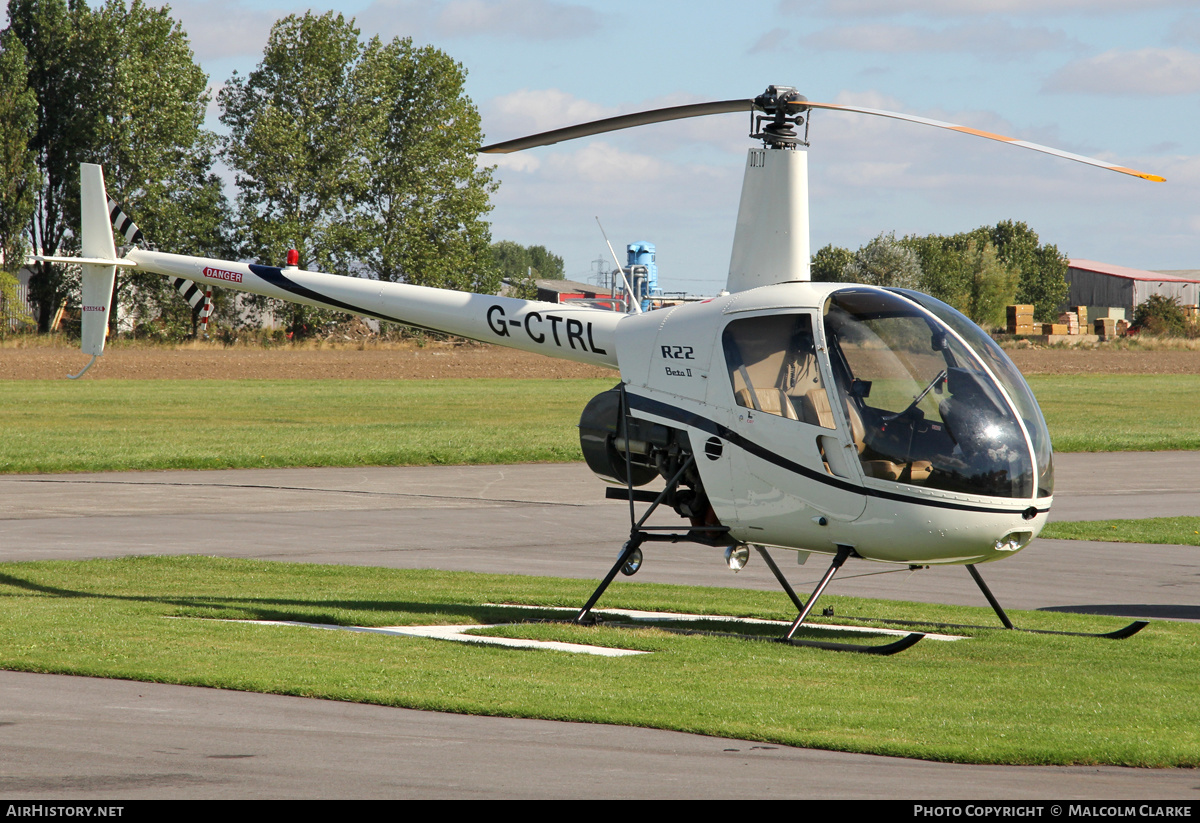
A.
pixel 1091 161
pixel 624 121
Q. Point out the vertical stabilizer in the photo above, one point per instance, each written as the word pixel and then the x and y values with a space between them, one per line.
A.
pixel 771 243
pixel 97 244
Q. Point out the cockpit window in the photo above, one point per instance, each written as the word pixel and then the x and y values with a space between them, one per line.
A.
pixel 922 409
pixel 773 367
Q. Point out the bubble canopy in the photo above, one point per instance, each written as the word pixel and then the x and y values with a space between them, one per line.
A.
pixel 930 399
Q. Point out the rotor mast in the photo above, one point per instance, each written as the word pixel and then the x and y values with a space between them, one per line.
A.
pixel 771 240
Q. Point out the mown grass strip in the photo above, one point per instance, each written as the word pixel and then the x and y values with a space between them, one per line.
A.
pixel 1000 697
pixel 111 425
pixel 56 426
pixel 1120 412
pixel 1177 531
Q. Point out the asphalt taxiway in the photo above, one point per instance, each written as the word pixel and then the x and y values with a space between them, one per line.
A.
pixel 78 738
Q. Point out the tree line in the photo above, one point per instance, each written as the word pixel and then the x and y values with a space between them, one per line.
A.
pixel 358 153
pixel 977 272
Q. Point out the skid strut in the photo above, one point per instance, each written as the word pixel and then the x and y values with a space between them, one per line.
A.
pixel 639 532
pixel 1120 634
pixel 840 558
pixel 983 587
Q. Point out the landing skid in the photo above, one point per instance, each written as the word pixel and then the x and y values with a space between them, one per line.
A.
pixel 844 552
pixel 1118 634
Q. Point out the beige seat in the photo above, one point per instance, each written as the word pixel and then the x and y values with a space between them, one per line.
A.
pixel 771 401
pixel 817 411
pixel 879 469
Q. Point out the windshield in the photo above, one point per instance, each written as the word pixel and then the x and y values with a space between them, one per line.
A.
pixel 921 407
pixel 1009 376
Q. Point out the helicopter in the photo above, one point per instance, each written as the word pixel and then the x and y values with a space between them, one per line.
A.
pixel 834 419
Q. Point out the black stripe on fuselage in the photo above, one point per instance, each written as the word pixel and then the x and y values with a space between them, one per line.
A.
pixel 276 277
pixel 698 421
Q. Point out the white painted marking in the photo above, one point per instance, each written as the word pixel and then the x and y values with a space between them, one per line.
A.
pixel 456 633
pixel 662 617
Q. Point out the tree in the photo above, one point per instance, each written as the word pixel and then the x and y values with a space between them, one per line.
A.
pixel 157 156
pixel 829 262
pixel 426 197
pixel 993 284
pixel 51 35
pixel 1162 316
pixel 884 262
pixel 945 272
pixel 1042 268
pixel 18 121
pixel 116 86
pixel 959 269
pixel 360 157
pixel 519 266
pixel 294 147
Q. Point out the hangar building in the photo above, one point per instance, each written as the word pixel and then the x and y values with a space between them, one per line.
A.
pixel 1102 284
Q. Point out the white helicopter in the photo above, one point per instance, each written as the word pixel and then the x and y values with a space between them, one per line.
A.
pixel 835 419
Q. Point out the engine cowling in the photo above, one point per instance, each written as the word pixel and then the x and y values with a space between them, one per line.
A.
pixel 622 448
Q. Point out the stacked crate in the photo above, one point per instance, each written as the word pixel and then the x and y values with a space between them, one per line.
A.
pixel 1082 311
pixel 1109 322
pixel 1069 319
pixel 1020 319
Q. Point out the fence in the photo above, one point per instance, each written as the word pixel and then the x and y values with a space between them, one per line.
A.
pixel 9 313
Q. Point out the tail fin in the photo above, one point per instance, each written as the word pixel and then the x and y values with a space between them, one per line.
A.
pixel 97 246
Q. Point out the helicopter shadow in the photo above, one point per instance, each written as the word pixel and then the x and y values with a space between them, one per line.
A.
pixel 1145 611
pixel 331 612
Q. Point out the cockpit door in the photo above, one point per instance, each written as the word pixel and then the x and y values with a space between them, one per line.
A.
pixel 792 454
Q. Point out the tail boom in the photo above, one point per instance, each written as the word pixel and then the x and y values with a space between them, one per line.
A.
pixel 584 335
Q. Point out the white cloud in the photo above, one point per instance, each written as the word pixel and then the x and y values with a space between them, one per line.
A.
pixel 994 39
pixel 530 111
pixel 776 40
pixel 1185 31
pixel 1148 71
pixel 525 19
pixel 535 19
pixel 225 28
pixel 599 162
pixel 975 8
pixel 519 162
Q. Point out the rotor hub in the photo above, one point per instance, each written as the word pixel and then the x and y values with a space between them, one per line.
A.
pixel 783 109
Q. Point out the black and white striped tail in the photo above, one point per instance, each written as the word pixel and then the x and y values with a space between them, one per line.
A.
pixel 195 296
pixel 124 224
pixel 192 293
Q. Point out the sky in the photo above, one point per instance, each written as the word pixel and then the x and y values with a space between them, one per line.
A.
pixel 1114 79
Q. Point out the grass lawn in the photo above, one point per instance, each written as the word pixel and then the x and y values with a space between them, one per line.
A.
pixel 1120 412
pixel 998 697
pixel 1178 531
pixel 114 425
pixel 106 425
